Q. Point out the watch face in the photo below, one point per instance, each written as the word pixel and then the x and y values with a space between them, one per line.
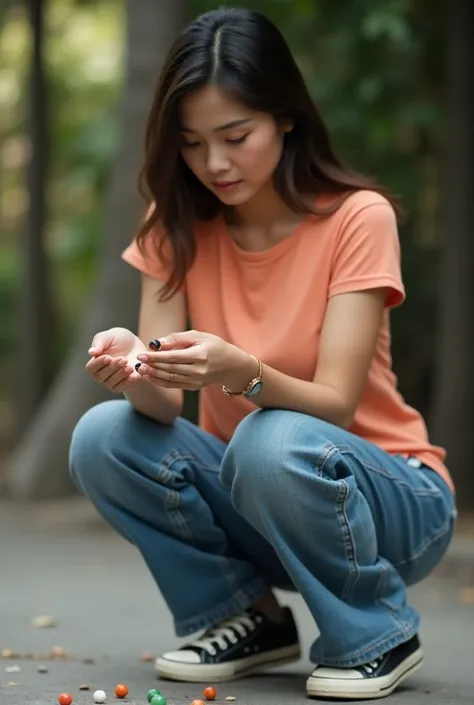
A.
pixel 255 389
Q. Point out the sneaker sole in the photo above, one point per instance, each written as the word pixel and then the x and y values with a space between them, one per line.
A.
pixel 217 673
pixel 364 689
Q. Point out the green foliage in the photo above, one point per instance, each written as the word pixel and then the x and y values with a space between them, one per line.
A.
pixel 84 65
pixel 364 64
pixel 9 279
pixel 373 69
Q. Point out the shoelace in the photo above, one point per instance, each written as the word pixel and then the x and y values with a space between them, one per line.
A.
pixel 223 634
pixel 372 666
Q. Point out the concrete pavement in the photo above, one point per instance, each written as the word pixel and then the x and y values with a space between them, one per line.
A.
pixel 60 560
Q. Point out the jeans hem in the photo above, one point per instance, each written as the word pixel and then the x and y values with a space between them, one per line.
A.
pixel 245 597
pixel 370 652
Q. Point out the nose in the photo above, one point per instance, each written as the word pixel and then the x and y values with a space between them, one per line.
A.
pixel 217 160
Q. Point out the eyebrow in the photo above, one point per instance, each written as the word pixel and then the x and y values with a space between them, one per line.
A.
pixel 227 126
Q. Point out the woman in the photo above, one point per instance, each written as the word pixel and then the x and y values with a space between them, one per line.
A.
pixel 308 471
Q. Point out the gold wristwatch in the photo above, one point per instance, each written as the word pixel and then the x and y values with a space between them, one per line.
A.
pixel 254 386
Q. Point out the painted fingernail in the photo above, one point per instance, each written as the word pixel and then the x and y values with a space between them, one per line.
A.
pixel 139 364
pixel 154 344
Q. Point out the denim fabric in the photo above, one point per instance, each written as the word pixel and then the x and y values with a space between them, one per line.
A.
pixel 291 502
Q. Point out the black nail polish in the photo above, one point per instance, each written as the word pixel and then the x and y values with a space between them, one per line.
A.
pixel 154 344
pixel 139 364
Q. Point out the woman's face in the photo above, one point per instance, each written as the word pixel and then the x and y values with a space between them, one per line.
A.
pixel 231 149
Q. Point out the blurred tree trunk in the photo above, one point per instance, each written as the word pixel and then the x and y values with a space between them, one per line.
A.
pixel 35 316
pixel 38 468
pixel 4 7
pixel 453 413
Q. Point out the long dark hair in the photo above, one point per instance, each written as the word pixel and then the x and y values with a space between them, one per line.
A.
pixel 242 51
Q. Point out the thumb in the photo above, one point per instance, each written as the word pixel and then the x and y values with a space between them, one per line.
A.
pixel 99 343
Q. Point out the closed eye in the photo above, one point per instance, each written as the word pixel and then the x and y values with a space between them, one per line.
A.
pixel 193 145
pixel 239 140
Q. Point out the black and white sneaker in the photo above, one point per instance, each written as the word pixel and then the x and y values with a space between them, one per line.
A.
pixel 372 680
pixel 232 649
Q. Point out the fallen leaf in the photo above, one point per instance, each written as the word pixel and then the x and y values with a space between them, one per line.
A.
pixel 44 621
pixel 58 652
pixel 466 596
pixel 8 653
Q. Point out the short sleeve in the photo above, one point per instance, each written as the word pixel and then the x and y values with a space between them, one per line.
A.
pixel 147 261
pixel 367 255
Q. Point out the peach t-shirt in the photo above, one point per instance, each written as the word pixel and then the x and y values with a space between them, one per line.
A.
pixel 272 304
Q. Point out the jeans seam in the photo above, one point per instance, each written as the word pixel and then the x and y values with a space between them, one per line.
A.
pixel 163 469
pixel 424 492
pixel 404 628
pixel 329 450
pixel 348 541
pixel 347 538
pixel 379 588
pixel 389 476
pixel 439 534
pixel 172 501
pixel 163 475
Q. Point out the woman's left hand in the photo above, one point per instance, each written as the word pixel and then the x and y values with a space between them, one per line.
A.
pixel 192 360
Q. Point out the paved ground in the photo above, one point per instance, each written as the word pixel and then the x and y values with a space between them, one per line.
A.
pixel 64 563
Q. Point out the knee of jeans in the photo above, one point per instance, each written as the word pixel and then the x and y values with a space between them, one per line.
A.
pixel 271 440
pixel 255 450
pixel 92 441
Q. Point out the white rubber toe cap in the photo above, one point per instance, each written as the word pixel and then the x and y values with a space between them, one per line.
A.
pixel 181 656
pixel 339 673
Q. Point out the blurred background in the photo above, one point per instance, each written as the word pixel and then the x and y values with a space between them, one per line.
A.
pixel 394 81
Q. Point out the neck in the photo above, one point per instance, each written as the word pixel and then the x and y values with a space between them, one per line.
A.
pixel 264 211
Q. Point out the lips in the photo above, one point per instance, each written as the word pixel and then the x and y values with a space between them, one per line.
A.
pixel 224 184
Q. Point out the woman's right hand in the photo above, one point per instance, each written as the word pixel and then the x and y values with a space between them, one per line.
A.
pixel 113 356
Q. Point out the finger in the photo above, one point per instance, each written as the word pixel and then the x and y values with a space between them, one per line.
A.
pixel 168 369
pixel 171 381
pixel 97 363
pixel 171 375
pixel 185 356
pixel 118 377
pixel 123 386
pixel 178 340
pixel 107 373
pixel 135 377
pixel 104 374
pixel 98 344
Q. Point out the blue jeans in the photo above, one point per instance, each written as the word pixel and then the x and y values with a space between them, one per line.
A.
pixel 291 502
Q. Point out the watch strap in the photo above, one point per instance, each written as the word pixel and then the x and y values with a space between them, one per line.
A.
pixel 250 385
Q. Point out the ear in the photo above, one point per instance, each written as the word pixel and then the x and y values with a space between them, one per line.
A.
pixel 287 126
